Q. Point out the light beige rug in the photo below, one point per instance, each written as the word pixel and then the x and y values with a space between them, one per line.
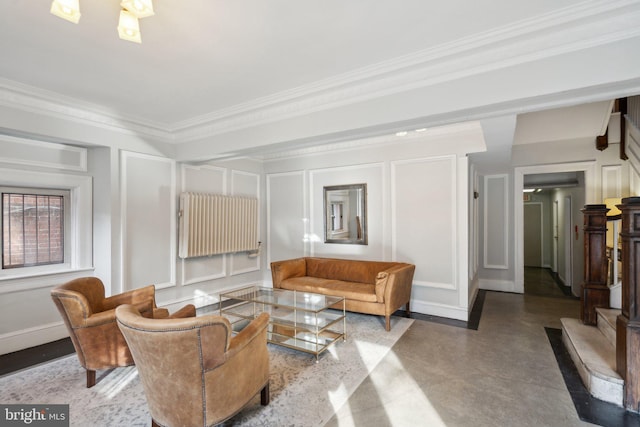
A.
pixel 303 392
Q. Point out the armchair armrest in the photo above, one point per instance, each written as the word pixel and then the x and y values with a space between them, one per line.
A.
pixel 100 318
pixel 254 330
pixel 109 316
pixel 133 297
pixel 188 310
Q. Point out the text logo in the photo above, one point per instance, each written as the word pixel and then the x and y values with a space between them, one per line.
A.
pixel 34 415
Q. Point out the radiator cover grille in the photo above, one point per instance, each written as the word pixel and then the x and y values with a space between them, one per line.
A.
pixel 213 224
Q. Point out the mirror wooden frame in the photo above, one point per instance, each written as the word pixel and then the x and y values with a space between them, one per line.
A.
pixel 345 214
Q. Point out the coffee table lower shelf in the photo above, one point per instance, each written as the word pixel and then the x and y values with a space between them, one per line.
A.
pixel 284 330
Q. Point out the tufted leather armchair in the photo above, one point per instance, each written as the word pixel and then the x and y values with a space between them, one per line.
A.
pixel 91 321
pixel 193 371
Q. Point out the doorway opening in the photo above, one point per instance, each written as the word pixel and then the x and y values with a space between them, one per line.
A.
pixel 548 224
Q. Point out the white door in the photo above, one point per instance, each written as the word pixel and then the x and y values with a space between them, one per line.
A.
pixel 533 234
pixel 554 259
pixel 568 242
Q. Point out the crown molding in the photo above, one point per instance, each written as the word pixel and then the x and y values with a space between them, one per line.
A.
pixel 40 101
pixel 588 24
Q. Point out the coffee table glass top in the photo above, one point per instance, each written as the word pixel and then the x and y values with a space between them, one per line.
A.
pixel 281 297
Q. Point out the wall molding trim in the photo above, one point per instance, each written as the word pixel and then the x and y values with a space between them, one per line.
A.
pixel 451 160
pixel 52 104
pixel 172 245
pixel 78 162
pixel 504 210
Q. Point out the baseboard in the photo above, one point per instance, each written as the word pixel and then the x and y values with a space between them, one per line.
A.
pixel 498 285
pixel 474 290
pixel 31 337
pixel 440 310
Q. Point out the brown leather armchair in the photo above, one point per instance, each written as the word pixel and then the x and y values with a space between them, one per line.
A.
pixel 193 371
pixel 91 321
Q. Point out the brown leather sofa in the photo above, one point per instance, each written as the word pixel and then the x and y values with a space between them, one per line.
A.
pixel 372 287
pixel 91 321
pixel 194 372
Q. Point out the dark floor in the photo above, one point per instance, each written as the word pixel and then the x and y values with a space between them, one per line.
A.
pixel 543 282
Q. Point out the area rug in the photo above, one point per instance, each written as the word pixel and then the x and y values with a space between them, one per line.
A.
pixel 303 392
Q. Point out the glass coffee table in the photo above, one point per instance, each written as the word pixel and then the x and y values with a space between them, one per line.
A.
pixel 300 320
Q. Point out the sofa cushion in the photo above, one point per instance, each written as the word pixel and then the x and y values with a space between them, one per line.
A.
pixel 350 290
pixel 348 270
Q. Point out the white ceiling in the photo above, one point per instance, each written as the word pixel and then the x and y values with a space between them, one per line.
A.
pixel 199 56
pixel 207 62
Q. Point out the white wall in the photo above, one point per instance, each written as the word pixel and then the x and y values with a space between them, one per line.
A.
pixel 28 316
pixel 417 209
pixel 200 280
pixel 131 220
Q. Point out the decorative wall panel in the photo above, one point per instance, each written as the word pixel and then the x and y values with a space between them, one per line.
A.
pixel 246 184
pixel 496 221
pixel 148 220
pixel 287 220
pixel 429 240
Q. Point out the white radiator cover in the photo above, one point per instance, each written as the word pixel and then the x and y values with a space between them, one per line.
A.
pixel 213 224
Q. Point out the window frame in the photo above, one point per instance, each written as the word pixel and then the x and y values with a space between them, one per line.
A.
pixel 78 219
pixel 66 224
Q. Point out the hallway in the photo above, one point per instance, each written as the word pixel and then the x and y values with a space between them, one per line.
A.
pixel 539 281
pixel 503 374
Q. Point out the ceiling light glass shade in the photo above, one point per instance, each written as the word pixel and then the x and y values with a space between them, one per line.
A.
pixel 66 9
pixel 128 27
pixel 138 8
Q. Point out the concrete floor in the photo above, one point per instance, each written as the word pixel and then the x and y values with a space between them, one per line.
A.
pixel 503 374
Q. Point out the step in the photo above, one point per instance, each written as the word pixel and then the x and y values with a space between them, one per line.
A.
pixel 607 323
pixel 595 359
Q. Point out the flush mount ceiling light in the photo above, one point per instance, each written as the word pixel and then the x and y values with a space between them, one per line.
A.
pixel 138 8
pixel 128 25
pixel 66 9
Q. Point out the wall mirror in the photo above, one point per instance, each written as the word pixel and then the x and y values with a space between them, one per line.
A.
pixel 345 214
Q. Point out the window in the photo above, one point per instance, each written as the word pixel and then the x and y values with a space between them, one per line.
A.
pixel 77 218
pixel 33 227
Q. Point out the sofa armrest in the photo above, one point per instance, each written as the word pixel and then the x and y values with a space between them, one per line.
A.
pixel 281 270
pixel 398 287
